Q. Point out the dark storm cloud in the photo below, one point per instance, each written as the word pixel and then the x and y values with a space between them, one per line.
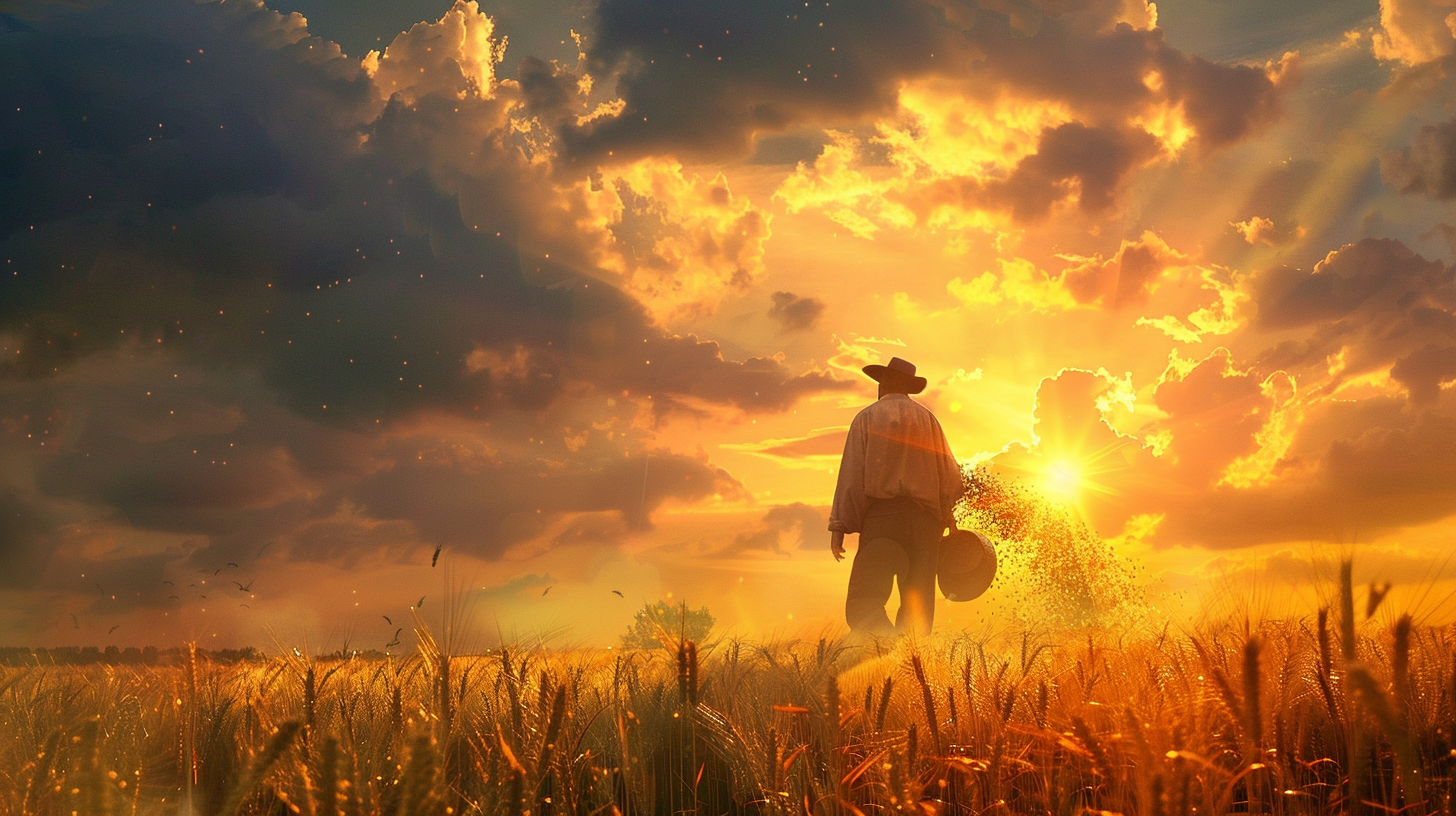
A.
pixel 1424 370
pixel 1090 163
pixel 1428 166
pixel 490 508
pixel 222 243
pixel 1373 275
pixel 275 165
pixel 1095 160
pixel 796 312
pixel 22 524
pixel 703 78
pixel 548 90
pixel 1375 304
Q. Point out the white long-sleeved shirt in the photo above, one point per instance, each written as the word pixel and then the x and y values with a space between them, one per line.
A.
pixel 895 448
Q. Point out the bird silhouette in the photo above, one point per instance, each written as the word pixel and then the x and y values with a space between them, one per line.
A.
pixel 618 593
pixel 168 583
pixel 394 642
pixel 231 564
pixel 248 588
pixel 436 557
pixel 245 606
pixel 421 603
pixel 75 622
pixel 544 591
pixel 387 620
pixel 262 548
pixel 113 629
pixel 173 598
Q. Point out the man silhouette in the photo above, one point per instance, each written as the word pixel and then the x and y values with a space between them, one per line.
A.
pixel 898 483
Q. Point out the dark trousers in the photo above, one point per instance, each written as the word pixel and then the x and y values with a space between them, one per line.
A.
pixel 899 543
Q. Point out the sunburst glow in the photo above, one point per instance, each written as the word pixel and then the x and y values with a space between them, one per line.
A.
pixel 1063 478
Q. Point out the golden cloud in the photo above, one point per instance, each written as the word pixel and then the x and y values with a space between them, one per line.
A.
pixel 677 242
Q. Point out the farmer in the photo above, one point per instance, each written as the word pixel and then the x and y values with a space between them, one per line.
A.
pixel 898 482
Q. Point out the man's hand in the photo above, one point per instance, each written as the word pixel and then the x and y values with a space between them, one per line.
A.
pixel 836 545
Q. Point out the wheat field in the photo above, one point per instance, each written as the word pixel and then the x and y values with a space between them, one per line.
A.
pixel 1340 712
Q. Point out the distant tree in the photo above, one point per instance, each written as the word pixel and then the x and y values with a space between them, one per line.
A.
pixel 663 624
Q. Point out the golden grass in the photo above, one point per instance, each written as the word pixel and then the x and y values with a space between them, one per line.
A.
pixel 1268 717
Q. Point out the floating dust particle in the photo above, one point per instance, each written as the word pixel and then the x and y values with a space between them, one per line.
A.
pixel 1048 562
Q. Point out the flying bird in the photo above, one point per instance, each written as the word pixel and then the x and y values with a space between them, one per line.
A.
pixel 231 564
pixel 421 603
pixel 74 621
pixel 544 591
pixel 113 629
pixel 618 593
pixel 173 598
pixel 387 620
pixel 394 642
pixel 168 583
pixel 216 571
pixel 436 557
pixel 245 606
pixel 262 548
pixel 248 588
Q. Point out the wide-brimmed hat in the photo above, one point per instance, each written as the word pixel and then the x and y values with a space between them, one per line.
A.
pixel 967 565
pixel 899 372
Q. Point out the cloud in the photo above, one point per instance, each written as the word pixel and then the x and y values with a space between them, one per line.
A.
pixel 517 586
pixel 1428 166
pixel 1373 275
pixel 259 292
pixel 676 243
pixel 1073 159
pixel 784 529
pixel 22 526
pixel 703 79
pixel 1415 31
pixel 1127 277
pixel 822 442
pixel 795 312
pixel 1019 135
pixel 1260 230
pixel 1424 371
pixel 1340 423
pixel 1017 281
pixel 295 192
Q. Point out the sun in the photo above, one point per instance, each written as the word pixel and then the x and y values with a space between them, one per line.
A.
pixel 1062 478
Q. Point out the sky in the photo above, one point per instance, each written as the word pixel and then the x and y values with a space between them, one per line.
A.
pixel 321 319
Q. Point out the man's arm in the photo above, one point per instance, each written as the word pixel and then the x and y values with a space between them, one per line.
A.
pixel 836 544
pixel 849 494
